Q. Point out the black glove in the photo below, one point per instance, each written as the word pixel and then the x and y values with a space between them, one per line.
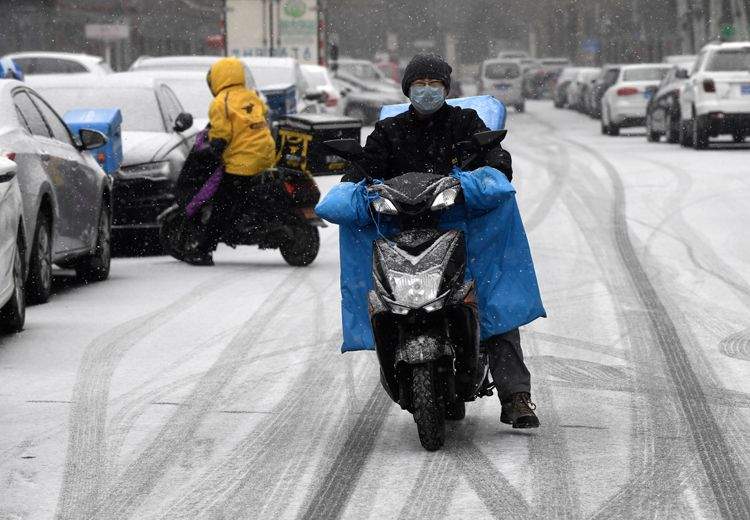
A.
pixel 218 146
pixel 500 159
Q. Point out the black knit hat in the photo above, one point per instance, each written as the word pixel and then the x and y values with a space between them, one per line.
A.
pixel 429 66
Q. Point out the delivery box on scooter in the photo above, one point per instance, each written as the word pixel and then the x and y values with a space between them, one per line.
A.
pixel 301 137
pixel 107 121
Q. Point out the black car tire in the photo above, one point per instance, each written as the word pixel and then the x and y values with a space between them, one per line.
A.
pixel 39 281
pixel 302 249
pixel 652 136
pixel 700 133
pixel 95 268
pixel 428 409
pixel 686 135
pixel 673 129
pixel 13 313
pixel 738 138
pixel 520 107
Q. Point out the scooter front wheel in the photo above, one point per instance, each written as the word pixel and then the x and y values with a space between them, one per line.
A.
pixel 428 408
pixel 302 249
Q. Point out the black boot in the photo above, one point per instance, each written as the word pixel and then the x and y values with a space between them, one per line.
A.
pixel 519 411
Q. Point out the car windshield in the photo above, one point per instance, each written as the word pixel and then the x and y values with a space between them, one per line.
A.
pixel 193 95
pixel 730 60
pixel 139 107
pixel 501 71
pixel 315 77
pixel 366 71
pixel 267 75
pixel 645 74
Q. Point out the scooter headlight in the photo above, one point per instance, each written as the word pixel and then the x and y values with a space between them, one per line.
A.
pixel 384 206
pixel 445 199
pixel 415 290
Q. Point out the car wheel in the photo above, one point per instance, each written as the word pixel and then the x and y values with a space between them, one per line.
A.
pixel 357 113
pixel 673 129
pixel 686 134
pixel 95 268
pixel 39 286
pixel 13 313
pixel 738 138
pixel 700 133
pixel 651 135
pixel 521 107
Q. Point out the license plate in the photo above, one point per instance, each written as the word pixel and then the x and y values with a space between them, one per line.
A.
pixel 648 94
pixel 502 86
pixel 745 89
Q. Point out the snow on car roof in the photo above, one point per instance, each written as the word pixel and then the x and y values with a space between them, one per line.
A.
pixel 86 58
pixel 117 80
pixel 631 66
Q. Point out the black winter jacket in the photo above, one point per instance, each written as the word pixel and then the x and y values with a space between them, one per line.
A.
pixel 407 143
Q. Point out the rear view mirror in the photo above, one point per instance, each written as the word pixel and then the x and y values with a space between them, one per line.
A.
pixel 183 122
pixel 681 74
pixel 91 139
pixel 488 138
pixel 345 147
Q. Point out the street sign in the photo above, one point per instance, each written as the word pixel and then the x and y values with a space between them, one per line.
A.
pixel 107 32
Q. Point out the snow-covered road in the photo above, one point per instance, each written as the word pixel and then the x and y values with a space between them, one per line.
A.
pixel 182 392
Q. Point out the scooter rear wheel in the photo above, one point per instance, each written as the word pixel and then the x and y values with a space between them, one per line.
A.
pixel 428 408
pixel 303 249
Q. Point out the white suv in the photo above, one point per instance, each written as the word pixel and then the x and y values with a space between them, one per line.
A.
pixel 716 99
pixel 624 103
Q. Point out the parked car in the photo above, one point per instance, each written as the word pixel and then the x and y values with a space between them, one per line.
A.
pixel 12 245
pixel 554 63
pixel 579 86
pixel 502 78
pixel 512 55
pixel 67 197
pixel 154 140
pixel 624 103
pixel 364 99
pixel 279 89
pixel 363 70
pixel 607 77
pixel 716 99
pixel 560 94
pixel 686 61
pixel 59 63
pixel 319 78
pixel 191 89
pixel 663 113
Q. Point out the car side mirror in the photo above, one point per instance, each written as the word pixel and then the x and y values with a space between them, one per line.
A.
pixel 183 122
pixel 315 96
pixel 682 74
pixel 345 147
pixel 91 139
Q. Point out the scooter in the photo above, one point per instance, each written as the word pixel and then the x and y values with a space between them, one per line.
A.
pixel 424 314
pixel 287 221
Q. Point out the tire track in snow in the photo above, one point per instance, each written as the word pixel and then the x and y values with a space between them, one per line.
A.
pixel 433 489
pixel 141 475
pixel 716 456
pixel 331 496
pixel 86 448
pixel 737 345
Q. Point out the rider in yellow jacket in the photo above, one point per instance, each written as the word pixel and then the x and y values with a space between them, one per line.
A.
pixel 239 133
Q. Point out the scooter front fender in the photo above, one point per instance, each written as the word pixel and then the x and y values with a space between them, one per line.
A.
pixel 423 348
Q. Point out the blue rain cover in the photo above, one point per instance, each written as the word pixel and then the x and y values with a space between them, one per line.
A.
pixel 489 109
pixel 499 258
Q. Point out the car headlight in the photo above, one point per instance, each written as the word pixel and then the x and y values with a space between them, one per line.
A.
pixel 384 206
pixel 445 199
pixel 156 171
pixel 415 290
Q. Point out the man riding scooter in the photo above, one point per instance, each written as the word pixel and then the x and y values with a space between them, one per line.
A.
pixel 425 139
pixel 239 134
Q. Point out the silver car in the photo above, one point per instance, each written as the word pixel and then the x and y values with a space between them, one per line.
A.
pixel 155 141
pixel 66 195
pixel 12 274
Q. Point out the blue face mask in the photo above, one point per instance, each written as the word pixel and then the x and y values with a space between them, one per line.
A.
pixel 425 99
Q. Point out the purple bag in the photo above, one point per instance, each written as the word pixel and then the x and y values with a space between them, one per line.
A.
pixel 210 187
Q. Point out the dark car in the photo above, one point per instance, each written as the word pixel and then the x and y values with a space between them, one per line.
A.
pixel 663 110
pixel 607 77
pixel 154 139
pixel 67 200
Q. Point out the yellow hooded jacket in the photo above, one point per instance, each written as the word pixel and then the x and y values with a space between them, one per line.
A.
pixel 238 116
